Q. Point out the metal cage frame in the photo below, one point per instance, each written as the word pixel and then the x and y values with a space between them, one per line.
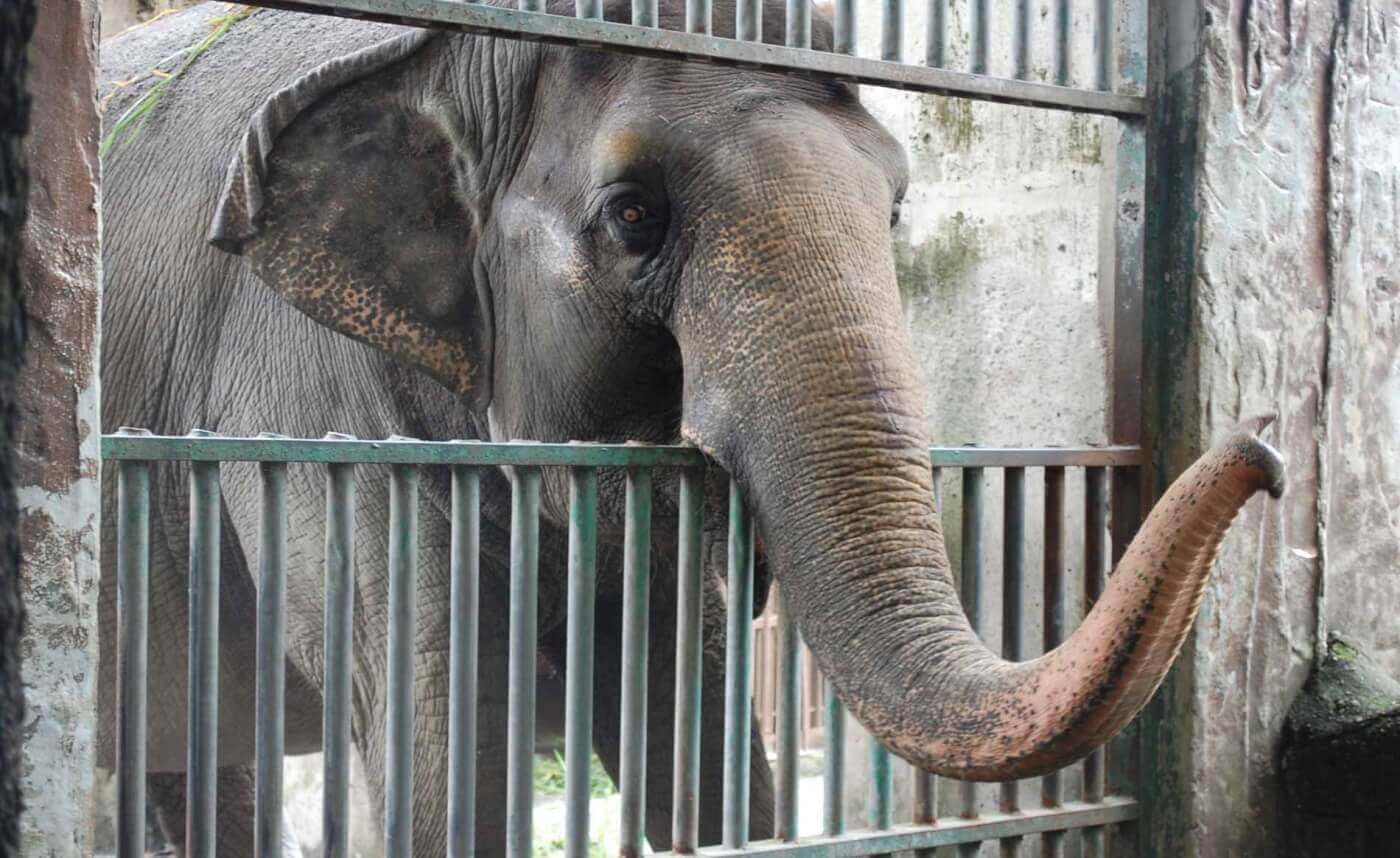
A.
pixel 1113 507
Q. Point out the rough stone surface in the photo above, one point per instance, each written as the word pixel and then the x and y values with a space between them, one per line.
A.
pixel 57 448
pixel 1276 206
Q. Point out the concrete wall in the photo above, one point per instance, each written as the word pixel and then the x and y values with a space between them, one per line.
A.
pixel 1277 288
pixel 58 452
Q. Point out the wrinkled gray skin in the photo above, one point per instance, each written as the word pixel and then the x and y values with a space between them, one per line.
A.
pixel 576 348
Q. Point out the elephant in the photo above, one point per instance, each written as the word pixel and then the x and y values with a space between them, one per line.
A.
pixel 328 225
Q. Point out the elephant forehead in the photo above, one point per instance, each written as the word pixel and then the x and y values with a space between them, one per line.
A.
pixel 621 149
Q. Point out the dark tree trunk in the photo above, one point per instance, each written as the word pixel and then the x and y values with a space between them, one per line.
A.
pixel 17 19
pixel 1340 755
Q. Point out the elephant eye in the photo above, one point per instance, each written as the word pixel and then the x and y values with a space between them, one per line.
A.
pixel 634 214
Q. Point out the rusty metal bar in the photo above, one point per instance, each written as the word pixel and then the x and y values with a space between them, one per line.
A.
pixel 1052 844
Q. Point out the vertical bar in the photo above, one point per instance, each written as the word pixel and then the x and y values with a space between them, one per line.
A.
pixel 1103 45
pixel 524 619
pixel 532 5
pixel 1062 41
pixel 133 604
pixel 1022 46
pixel 340 601
pixel 636 614
pixel 644 13
pixel 1054 621
pixel 834 764
pixel 972 601
pixel 403 587
pixel 578 670
pixel 202 760
pixel 270 694
pixel 1013 586
pixel 892 30
pixel 844 27
pixel 748 20
pixel 685 797
pixel 698 16
pixel 798 22
pixel 738 667
pixel 977 47
pixel 589 9
pixel 464 569
pixel 925 783
pixel 1095 526
pixel 789 710
pixel 881 814
pixel 936 37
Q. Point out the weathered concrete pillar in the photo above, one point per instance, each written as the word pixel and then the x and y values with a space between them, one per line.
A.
pixel 1274 207
pixel 58 437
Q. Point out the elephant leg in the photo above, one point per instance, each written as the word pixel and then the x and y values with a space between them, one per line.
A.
pixel 661 685
pixel 233 821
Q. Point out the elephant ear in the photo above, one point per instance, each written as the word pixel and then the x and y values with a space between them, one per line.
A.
pixel 350 197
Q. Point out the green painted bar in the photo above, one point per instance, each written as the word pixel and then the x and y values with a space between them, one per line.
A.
pixel 339 642
pixel 403 621
pixel 789 710
pixel 748 20
pixel 845 27
pixel 926 783
pixel 644 13
pixel 636 617
pixel 891 30
pixel 698 17
pixel 578 670
pixel 1053 624
pixel 881 806
pixel 979 24
pixel 935 34
pixel 1095 576
pixel 1013 587
pixel 464 571
pixel 351 451
pixel 950 832
pixel 202 750
pixel 685 798
pixel 971 586
pixel 738 672
pixel 270 685
pixel 524 625
pixel 798 24
pixel 1062 42
pixel 133 612
pixel 834 762
pixel 589 9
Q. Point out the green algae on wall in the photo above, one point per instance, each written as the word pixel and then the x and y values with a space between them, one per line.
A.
pixel 942 261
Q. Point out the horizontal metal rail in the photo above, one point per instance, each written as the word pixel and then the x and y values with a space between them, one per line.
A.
pixel 951 832
pixel 627 38
pixel 134 453
pixel 528 454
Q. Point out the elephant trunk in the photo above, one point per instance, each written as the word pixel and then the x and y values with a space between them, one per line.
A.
pixel 800 381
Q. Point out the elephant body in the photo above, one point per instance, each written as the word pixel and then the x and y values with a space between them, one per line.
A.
pixel 328 225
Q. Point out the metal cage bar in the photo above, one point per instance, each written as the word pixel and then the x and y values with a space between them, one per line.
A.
pixel 202 749
pixel 270 683
pixel 133 605
pixel 1009 826
pixel 465 574
pixel 636 617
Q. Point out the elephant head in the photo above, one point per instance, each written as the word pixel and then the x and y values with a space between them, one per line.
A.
pixel 593 246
